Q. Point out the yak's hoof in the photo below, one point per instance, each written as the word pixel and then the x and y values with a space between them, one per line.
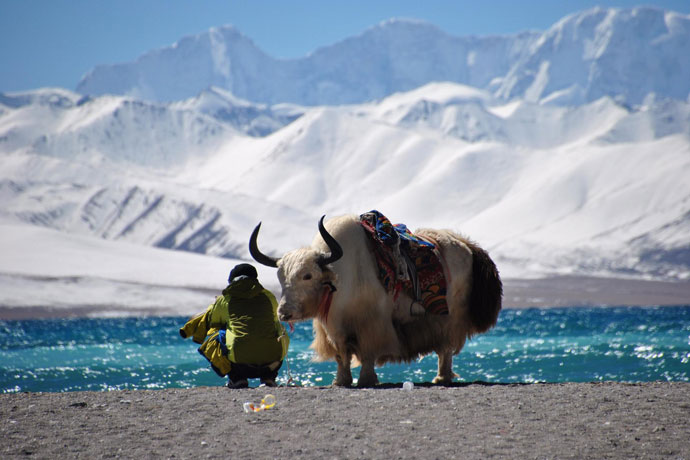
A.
pixel 443 379
pixel 341 383
pixel 367 383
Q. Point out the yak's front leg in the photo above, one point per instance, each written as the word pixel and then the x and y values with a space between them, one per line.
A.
pixel 367 374
pixel 445 369
pixel 343 378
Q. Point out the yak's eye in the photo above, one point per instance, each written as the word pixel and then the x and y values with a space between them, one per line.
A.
pixel 307 277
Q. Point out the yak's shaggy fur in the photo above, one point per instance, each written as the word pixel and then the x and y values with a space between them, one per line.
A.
pixel 364 321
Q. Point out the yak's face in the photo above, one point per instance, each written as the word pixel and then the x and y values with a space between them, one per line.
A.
pixel 302 281
pixel 303 274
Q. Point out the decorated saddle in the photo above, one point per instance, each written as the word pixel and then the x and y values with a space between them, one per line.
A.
pixel 407 262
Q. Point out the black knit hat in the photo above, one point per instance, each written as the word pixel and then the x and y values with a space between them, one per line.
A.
pixel 243 269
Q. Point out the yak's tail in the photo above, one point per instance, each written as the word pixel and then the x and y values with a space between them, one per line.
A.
pixel 487 290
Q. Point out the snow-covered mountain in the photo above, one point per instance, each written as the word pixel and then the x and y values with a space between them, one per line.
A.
pixel 393 56
pixel 106 166
pixel 596 188
pixel 621 53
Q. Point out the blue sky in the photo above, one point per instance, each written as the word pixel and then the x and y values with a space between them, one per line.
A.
pixel 55 42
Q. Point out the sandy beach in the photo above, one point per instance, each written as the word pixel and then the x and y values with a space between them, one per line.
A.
pixel 478 420
pixel 568 291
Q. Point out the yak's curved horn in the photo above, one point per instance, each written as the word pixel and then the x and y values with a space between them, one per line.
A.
pixel 258 255
pixel 336 251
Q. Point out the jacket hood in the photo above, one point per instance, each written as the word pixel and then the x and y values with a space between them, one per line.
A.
pixel 243 287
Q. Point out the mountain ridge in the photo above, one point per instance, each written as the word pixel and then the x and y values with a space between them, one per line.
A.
pixel 581 58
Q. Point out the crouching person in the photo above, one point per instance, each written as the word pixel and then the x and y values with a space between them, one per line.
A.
pixel 240 333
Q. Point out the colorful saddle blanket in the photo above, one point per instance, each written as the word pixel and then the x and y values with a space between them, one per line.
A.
pixel 388 239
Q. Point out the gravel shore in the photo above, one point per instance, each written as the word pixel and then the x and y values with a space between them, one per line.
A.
pixel 477 420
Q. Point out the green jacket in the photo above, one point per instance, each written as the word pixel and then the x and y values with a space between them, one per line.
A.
pixel 249 314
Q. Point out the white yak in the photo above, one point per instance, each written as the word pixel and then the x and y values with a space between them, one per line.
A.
pixel 335 282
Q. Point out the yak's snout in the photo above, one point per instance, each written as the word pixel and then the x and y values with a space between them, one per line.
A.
pixel 287 312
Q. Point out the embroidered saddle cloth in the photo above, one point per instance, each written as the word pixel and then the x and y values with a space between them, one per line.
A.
pixel 397 249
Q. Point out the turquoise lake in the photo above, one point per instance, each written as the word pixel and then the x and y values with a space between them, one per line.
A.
pixel 626 344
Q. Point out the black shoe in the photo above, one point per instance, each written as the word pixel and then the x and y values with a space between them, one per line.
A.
pixel 238 384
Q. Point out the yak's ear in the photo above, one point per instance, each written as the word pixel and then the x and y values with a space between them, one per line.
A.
pixel 336 251
pixel 329 276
